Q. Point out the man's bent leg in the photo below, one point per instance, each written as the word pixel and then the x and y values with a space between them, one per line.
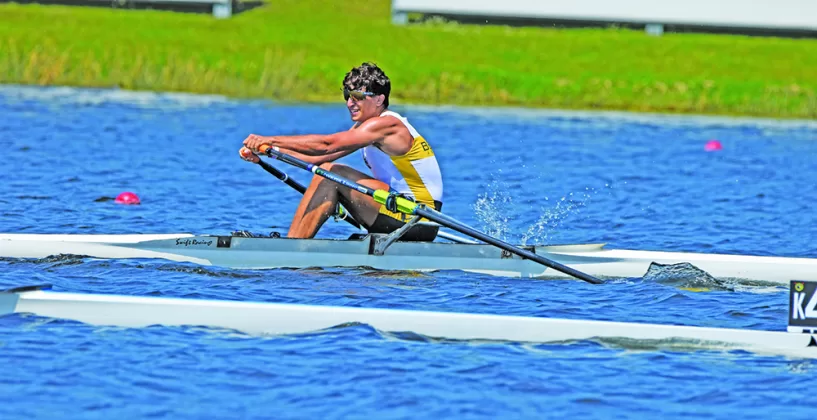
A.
pixel 318 203
pixel 322 196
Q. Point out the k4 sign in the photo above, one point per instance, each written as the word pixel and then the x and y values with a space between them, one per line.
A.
pixel 802 306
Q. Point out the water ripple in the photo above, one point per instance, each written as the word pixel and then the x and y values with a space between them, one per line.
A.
pixel 632 181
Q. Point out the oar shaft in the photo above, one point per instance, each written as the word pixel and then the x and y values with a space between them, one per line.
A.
pixel 317 170
pixel 301 189
pixel 403 205
pixel 282 176
pixel 409 207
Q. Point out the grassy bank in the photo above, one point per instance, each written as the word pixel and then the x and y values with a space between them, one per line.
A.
pixel 298 50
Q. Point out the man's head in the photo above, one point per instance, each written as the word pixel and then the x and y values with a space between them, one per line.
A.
pixel 366 89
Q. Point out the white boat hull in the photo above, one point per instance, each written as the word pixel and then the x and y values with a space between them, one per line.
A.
pixel 258 318
pixel 265 253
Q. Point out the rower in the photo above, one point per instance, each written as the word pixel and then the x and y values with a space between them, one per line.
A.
pixel 400 158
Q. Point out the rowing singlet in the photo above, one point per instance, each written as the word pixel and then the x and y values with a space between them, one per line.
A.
pixel 415 174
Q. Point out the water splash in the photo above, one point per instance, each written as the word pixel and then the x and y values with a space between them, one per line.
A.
pixel 491 209
pixel 551 219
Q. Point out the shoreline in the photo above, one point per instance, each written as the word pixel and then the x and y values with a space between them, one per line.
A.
pixel 191 99
pixel 294 51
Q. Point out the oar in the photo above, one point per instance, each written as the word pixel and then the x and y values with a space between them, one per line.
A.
pixel 341 211
pixel 410 207
pixel 298 187
pixel 283 177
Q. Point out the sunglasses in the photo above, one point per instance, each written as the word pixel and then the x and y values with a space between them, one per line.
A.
pixel 356 94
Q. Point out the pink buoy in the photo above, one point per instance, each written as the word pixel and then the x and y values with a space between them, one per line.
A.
pixel 127 198
pixel 713 145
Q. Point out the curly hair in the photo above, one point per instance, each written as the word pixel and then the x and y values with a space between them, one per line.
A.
pixel 370 77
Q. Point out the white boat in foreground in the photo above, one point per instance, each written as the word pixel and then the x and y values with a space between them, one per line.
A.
pixel 259 318
pixel 369 251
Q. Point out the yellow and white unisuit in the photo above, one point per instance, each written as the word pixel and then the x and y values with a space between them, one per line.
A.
pixel 415 174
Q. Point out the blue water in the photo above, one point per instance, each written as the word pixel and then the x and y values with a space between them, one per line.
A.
pixel 632 181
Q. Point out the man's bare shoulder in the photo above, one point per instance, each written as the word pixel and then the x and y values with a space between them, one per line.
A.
pixel 381 122
pixel 395 138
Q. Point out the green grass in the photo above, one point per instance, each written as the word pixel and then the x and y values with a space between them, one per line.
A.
pixel 299 50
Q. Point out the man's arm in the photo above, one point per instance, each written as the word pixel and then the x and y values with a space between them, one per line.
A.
pixel 337 144
pixel 316 160
pixel 250 156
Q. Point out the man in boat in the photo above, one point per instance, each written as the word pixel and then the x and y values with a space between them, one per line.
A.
pixel 401 161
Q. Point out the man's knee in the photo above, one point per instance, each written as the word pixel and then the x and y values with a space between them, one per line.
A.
pixel 345 171
pixel 338 168
pixel 326 166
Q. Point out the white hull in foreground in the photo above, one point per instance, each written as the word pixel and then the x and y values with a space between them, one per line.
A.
pixel 259 318
pixel 262 253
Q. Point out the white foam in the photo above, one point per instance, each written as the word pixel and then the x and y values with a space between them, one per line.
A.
pixel 89 96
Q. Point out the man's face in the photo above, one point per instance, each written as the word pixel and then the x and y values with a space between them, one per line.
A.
pixel 362 105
